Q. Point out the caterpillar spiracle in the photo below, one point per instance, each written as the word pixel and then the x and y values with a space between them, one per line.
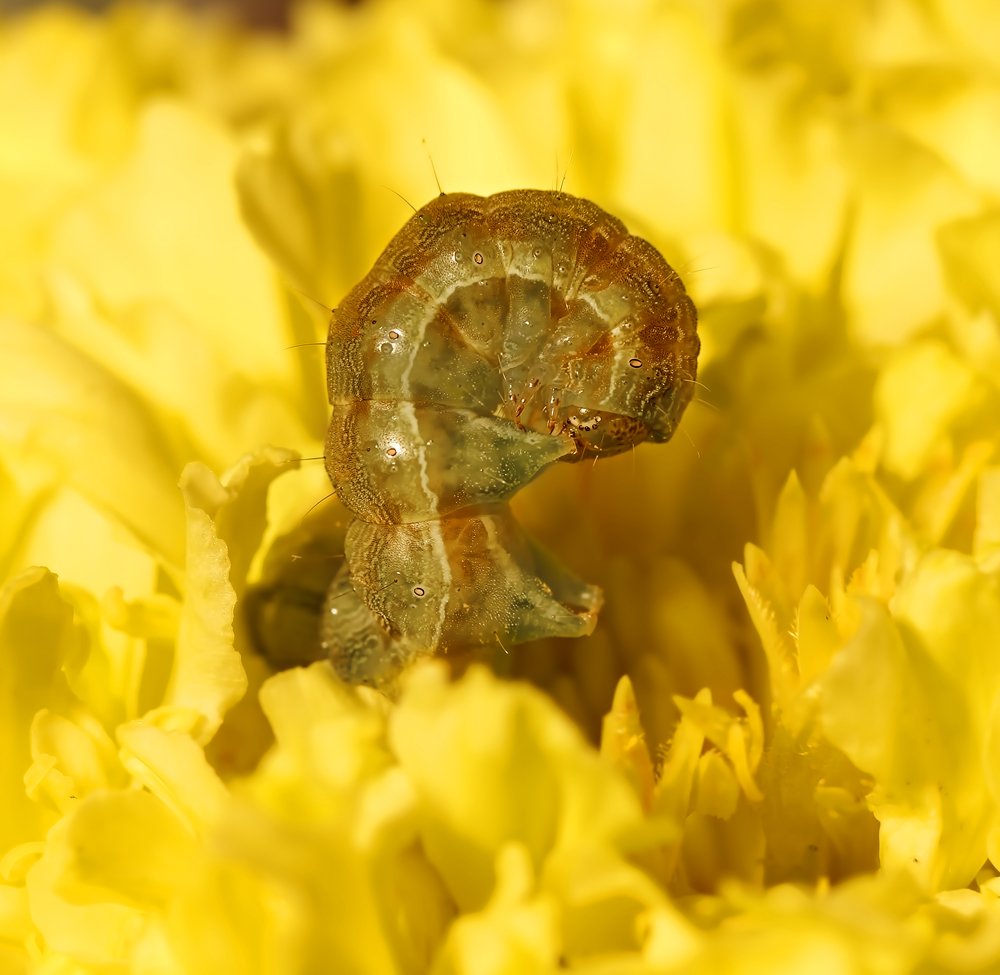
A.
pixel 493 337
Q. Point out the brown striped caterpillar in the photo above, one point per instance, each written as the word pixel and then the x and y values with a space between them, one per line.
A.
pixel 493 337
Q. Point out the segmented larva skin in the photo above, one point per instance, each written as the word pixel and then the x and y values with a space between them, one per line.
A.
pixel 493 336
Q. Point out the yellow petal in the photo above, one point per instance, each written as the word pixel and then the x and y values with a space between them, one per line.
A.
pixel 73 757
pixel 515 932
pixel 174 769
pixel 740 740
pixel 142 238
pixel 37 638
pixel 122 846
pixel 207 677
pixel 986 542
pixel 316 859
pixel 796 169
pixel 862 925
pixel 623 744
pixel 817 635
pixel 909 699
pixel 920 394
pixel 501 743
pixel 893 282
pixel 16 929
pixel 970 249
pixel 46 166
pixel 63 409
pixel 649 51
pixel 778 647
pixel 943 107
pixel 101 555
pixel 602 901
pixel 107 864
pixel 308 707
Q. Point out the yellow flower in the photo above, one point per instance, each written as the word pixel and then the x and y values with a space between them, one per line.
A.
pixel 778 753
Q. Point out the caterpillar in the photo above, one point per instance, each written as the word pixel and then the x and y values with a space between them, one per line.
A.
pixel 493 337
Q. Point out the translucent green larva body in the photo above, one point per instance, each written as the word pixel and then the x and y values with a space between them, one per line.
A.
pixel 493 337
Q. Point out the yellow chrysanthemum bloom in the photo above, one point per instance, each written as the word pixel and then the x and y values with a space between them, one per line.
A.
pixel 780 752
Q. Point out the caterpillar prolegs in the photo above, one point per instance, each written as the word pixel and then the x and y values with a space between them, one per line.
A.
pixel 493 337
